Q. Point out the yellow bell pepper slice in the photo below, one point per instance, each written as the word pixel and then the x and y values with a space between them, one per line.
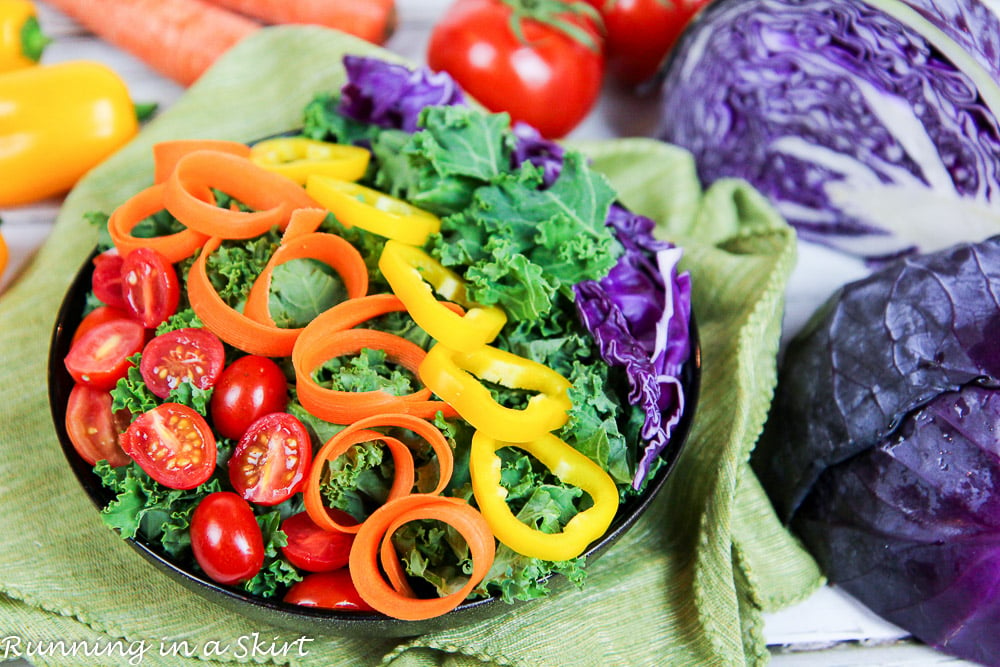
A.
pixel 298 158
pixel 566 463
pixel 355 205
pixel 456 378
pixel 415 276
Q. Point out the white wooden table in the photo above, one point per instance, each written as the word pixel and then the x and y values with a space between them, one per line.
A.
pixel 828 629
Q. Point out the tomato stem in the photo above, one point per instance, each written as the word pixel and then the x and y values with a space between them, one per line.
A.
pixel 556 14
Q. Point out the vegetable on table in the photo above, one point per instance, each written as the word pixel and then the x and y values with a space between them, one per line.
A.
pixel 371 20
pixel 80 111
pixel 881 449
pixel 639 34
pixel 541 61
pixel 180 39
pixel 22 41
pixel 871 125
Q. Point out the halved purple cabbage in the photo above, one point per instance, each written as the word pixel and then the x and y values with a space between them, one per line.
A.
pixel 871 125
pixel 639 315
pixel 882 449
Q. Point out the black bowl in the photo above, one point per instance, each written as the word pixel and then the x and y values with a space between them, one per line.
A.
pixel 309 619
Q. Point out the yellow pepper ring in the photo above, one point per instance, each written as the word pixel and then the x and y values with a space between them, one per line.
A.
pixel 357 206
pixel 454 376
pixel 568 465
pixel 415 276
pixel 298 158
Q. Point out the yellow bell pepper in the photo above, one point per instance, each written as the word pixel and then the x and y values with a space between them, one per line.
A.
pixel 455 377
pixel 56 123
pixel 298 158
pixel 415 276
pixel 4 254
pixel 357 206
pixel 21 38
pixel 566 463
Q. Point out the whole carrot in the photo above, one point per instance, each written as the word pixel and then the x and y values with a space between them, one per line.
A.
pixel 178 38
pixel 372 20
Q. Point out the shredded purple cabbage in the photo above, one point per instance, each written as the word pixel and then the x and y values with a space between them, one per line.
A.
pixel 392 96
pixel 641 324
pixel 532 147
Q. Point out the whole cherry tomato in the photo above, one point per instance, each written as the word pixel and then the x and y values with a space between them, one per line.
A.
pixel 329 590
pixel 248 389
pixel 539 60
pixel 173 444
pixel 226 538
pixel 640 33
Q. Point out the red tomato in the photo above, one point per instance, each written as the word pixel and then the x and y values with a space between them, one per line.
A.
pixel 173 444
pixel 271 460
pixel 249 388
pixel 226 538
pixel 329 590
pixel 97 316
pixel 315 549
pixel 640 33
pixel 100 356
pixel 106 280
pixel 150 286
pixel 93 427
pixel 192 355
pixel 546 79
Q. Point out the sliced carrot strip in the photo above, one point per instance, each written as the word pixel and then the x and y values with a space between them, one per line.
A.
pixel 369 546
pixel 271 196
pixel 337 446
pixel 166 154
pixel 137 208
pixel 224 321
pixel 331 334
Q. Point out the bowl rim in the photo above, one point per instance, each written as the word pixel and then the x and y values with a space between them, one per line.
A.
pixel 329 621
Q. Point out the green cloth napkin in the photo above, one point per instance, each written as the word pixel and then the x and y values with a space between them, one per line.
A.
pixel 687 585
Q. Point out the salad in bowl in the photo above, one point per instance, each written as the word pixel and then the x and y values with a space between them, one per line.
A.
pixel 399 363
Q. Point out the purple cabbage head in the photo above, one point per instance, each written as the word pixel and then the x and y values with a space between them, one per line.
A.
pixel 865 122
pixel 639 315
pixel 882 449
pixel 391 95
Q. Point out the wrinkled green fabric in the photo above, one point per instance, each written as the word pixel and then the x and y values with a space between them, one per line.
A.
pixel 686 586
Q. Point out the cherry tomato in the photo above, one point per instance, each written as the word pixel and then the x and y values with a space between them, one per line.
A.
pixel 544 77
pixel 97 316
pixel 640 33
pixel 329 590
pixel 99 358
pixel 226 538
pixel 150 286
pixel 93 427
pixel 315 549
pixel 248 389
pixel 106 280
pixel 192 355
pixel 173 444
pixel 271 460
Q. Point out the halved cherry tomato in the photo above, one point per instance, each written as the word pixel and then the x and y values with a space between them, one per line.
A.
pixel 97 316
pixel 226 538
pixel 173 444
pixel 182 355
pixel 150 286
pixel 315 549
pixel 106 280
pixel 329 590
pixel 93 427
pixel 100 357
pixel 249 388
pixel 271 460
